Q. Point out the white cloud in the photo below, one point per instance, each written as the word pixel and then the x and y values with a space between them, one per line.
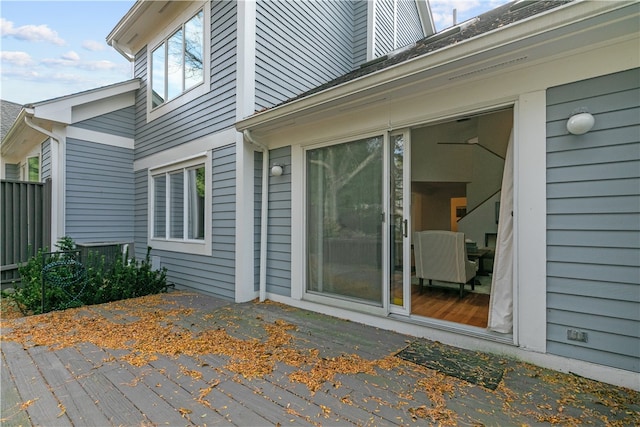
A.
pixel 99 65
pixel 68 78
pixel 71 56
pixel 94 46
pixel 20 59
pixel 32 33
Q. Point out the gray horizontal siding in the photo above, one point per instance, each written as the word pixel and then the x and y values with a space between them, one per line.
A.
pixel 360 15
pixel 409 28
pixel 120 123
pixel 257 210
pixel 279 227
pixel 45 160
pixel 593 222
pixel 140 212
pixel 12 172
pixel 214 274
pixel 300 45
pixel 384 31
pixel 210 113
pixel 98 192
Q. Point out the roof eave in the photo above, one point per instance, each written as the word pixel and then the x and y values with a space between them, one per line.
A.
pixel 527 28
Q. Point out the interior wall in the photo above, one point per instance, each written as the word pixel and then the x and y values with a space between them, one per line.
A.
pixel 461 158
pixel 431 209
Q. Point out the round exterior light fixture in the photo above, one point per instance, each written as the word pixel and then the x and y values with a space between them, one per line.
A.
pixel 580 123
pixel 276 170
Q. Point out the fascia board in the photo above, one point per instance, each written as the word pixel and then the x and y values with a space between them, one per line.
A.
pixel 102 106
pixel 126 23
pixel 503 38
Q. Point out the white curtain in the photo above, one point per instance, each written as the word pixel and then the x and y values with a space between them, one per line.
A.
pixel 501 301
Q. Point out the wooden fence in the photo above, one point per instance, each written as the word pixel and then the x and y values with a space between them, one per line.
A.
pixel 25 224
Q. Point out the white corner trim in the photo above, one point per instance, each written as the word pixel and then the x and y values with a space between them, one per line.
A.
pixel 246 57
pixel 100 137
pixel 530 221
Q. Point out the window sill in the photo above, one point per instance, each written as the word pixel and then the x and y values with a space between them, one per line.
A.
pixel 191 247
pixel 175 103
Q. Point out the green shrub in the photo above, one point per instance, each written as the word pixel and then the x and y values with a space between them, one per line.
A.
pixel 94 280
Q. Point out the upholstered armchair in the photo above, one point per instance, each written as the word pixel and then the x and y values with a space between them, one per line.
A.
pixel 442 255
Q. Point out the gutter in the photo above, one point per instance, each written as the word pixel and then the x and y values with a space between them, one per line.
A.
pixel 264 211
pixel 35 127
pixel 555 19
pixel 128 56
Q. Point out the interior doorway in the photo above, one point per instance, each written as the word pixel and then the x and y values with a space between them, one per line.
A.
pixel 456 178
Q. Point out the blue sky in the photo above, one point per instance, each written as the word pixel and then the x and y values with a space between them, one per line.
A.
pixel 55 48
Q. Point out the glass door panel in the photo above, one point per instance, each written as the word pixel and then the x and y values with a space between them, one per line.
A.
pixel 344 217
pixel 399 223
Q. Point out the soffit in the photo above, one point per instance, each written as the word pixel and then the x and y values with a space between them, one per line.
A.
pixel 143 21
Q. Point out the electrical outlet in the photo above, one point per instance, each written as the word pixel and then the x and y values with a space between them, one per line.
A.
pixel 575 335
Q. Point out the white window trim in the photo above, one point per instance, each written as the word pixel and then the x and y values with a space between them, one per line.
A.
pixel 24 167
pixel 197 90
pixel 198 247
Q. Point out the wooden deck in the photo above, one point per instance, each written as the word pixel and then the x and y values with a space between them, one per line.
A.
pixel 325 371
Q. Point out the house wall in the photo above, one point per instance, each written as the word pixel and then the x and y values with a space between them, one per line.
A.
pixel 385 27
pixel 291 59
pixel 120 123
pixel 207 114
pixel 213 274
pixel 173 136
pixel 279 227
pixel 257 211
pixel 45 161
pixel 98 192
pixel 12 172
pixel 360 14
pixel 409 28
pixel 397 25
pixel 593 222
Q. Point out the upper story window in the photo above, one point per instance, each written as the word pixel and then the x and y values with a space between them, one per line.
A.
pixel 177 63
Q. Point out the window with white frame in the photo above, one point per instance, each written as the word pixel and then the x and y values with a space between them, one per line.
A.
pixel 178 200
pixel 31 169
pixel 177 62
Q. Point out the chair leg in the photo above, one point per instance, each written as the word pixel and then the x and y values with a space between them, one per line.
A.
pixel 421 284
pixel 461 290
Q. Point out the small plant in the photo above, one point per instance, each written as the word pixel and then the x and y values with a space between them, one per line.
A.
pixel 70 281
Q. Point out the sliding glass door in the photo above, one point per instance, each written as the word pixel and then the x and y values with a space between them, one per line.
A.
pixel 344 217
pixel 399 223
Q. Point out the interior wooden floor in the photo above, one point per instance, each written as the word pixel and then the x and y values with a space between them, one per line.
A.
pixel 445 304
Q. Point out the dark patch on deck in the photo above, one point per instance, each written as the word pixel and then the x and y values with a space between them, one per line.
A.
pixel 474 367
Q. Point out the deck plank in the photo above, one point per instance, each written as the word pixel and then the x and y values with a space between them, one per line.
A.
pixel 10 405
pixel 97 368
pixel 79 406
pixel 233 411
pixel 43 406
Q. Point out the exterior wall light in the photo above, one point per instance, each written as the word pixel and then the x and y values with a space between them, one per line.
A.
pixel 580 123
pixel 276 170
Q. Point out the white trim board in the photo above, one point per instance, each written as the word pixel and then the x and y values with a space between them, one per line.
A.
pixel 100 137
pixel 209 142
